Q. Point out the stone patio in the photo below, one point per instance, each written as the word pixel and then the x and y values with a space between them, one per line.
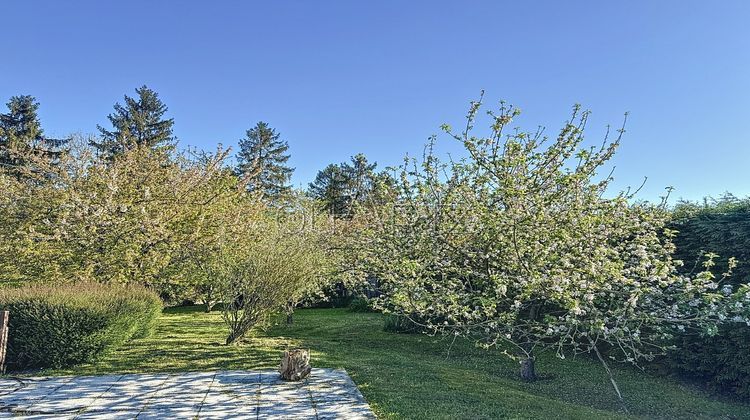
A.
pixel 326 394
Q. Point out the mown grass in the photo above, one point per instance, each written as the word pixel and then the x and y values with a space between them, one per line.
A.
pixel 413 376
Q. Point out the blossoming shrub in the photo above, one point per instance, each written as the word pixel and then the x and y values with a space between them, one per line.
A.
pixel 63 325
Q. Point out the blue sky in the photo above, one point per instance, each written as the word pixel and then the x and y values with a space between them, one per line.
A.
pixel 338 78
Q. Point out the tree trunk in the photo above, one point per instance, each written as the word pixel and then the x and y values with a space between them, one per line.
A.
pixel 233 338
pixel 528 368
pixel 209 299
pixel 528 371
pixel 295 365
pixel 289 312
pixel 4 319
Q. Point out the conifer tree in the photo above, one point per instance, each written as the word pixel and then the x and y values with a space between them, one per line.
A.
pixel 263 156
pixel 139 122
pixel 330 187
pixel 361 177
pixel 340 187
pixel 23 147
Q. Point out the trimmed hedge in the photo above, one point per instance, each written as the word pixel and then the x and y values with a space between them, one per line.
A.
pixel 63 325
pixel 721 226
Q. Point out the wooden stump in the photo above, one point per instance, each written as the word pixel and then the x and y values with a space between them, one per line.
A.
pixel 295 365
pixel 4 318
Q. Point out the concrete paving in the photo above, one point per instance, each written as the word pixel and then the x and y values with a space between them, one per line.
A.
pixel 325 394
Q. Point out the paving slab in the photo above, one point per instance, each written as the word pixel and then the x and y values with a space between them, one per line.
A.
pixel 236 394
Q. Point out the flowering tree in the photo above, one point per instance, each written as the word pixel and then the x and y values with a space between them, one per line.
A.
pixel 131 219
pixel 517 247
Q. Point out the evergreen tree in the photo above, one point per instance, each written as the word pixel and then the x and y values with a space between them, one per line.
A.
pixel 140 122
pixel 361 177
pixel 23 146
pixel 330 187
pixel 263 157
pixel 341 187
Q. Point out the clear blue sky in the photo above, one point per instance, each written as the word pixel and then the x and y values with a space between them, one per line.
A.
pixel 338 78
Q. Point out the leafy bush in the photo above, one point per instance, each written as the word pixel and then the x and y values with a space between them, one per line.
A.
pixel 62 325
pixel 360 304
pixel 401 324
pixel 722 227
pixel 257 276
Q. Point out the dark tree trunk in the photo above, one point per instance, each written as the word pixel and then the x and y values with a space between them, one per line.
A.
pixel 528 371
pixel 233 338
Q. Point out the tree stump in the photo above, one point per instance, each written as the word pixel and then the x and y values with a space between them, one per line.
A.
pixel 295 365
pixel 4 319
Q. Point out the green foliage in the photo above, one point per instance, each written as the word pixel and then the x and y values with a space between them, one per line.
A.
pixel 722 227
pixel 519 246
pixel 257 279
pixel 722 362
pixel 260 268
pixel 342 188
pixel 396 323
pixel 330 187
pixel 63 325
pixel 136 219
pixel 140 122
pixel 263 159
pixel 127 209
pixel 24 150
pixel 361 304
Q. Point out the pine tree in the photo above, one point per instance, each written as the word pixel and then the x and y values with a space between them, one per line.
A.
pixel 23 147
pixel 140 122
pixel 361 177
pixel 331 188
pixel 341 187
pixel 263 156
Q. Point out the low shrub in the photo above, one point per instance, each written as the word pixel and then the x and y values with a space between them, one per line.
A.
pixel 360 304
pixel 401 324
pixel 63 325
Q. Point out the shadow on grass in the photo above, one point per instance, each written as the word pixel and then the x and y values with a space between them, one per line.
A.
pixel 410 375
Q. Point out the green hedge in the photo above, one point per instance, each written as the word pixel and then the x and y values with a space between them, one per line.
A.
pixel 63 325
pixel 720 226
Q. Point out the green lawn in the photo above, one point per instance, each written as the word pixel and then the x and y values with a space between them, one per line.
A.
pixel 412 376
